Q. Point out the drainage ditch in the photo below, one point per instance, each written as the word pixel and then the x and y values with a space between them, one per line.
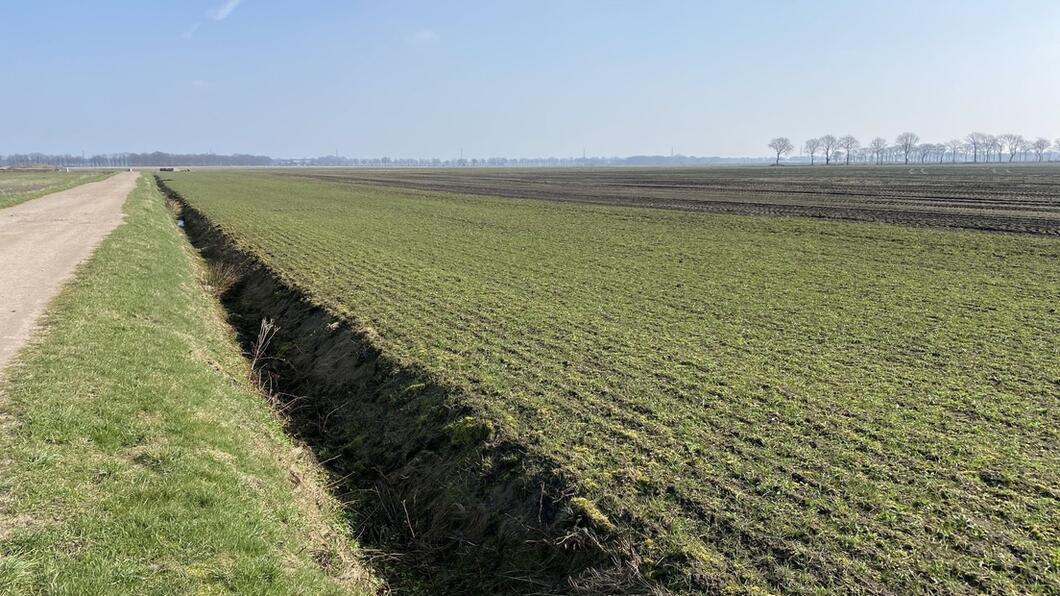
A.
pixel 464 510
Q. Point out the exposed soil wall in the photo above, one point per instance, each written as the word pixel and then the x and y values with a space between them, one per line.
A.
pixel 469 510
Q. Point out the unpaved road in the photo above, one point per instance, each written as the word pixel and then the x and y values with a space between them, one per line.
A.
pixel 41 244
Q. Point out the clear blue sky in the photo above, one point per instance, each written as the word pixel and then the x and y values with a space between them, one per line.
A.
pixel 424 79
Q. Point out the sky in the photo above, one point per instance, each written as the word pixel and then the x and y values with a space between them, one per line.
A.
pixel 517 79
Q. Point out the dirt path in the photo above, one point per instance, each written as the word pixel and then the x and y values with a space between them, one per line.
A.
pixel 42 242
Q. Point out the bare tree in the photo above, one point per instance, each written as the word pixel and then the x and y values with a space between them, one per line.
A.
pixel 990 144
pixel 979 142
pixel 907 142
pixel 813 145
pixel 986 145
pixel 878 146
pixel 954 146
pixel 1025 148
pixel 1012 141
pixel 782 145
pixel 849 144
pixel 923 150
pixel 829 144
pixel 940 151
pixel 997 145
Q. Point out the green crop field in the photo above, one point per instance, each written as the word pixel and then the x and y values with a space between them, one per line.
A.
pixel 756 404
pixel 17 186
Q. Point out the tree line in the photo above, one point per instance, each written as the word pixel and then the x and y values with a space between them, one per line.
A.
pixel 132 160
pixel 159 158
pixel 907 148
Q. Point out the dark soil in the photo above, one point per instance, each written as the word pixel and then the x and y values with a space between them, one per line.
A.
pixel 995 197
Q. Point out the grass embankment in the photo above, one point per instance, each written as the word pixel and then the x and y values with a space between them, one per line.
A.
pixel 135 457
pixel 18 186
pixel 757 403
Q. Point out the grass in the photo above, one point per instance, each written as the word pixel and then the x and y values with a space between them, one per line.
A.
pixel 19 186
pixel 760 404
pixel 135 457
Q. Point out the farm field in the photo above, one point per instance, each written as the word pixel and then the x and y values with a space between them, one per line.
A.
pixel 17 186
pixel 135 455
pixel 1015 198
pixel 752 403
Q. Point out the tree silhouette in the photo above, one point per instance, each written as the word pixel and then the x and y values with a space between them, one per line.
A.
pixel 782 146
pixel 907 142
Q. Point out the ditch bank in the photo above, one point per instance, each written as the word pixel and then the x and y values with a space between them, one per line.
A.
pixel 463 509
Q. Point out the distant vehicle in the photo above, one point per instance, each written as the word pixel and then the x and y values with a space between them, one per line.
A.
pixel 165 169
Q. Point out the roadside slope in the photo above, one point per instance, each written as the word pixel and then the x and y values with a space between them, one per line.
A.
pixel 42 242
pixel 136 456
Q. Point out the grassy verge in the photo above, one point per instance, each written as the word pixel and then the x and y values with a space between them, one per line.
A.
pixel 135 455
pixel 20 186
pixel 756 404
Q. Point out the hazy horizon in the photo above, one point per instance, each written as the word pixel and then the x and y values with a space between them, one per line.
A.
pixel 548 79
